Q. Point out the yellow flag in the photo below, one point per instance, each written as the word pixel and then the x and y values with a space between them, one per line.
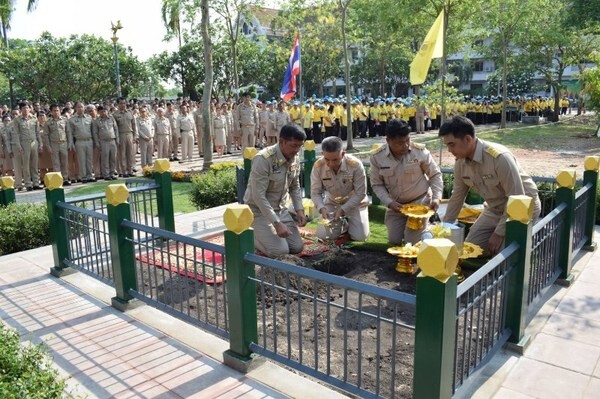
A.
pixel 432 47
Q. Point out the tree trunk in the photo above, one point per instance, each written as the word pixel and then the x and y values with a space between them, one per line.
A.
pixel 183 88
pixel 350 137
pixel 236 82
pixel 382 76
pixel 208 86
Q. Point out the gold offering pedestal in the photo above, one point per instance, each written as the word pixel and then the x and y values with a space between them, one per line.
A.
pixel 406 257
pixel 469 250
pixel 417 215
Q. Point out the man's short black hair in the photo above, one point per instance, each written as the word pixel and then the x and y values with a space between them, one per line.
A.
pixel 52 106
pixel 291 131
pixel 23 104
pixel 458 126
pixel 332 144
pixel 397 128
pixel 246 94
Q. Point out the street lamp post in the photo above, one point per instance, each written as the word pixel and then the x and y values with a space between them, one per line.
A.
pixel 114 39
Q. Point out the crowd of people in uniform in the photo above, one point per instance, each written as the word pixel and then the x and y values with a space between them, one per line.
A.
pixel 100 140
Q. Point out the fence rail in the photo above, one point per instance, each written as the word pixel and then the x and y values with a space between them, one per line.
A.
pixel 88 241
pixel 481 314
pixel 582 197
pixel 350 334
pixel 181 275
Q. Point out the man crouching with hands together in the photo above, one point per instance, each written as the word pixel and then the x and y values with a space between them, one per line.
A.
pixel 273 179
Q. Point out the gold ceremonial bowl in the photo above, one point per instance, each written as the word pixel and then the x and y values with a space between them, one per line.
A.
pixel 406 256
pixel 417 215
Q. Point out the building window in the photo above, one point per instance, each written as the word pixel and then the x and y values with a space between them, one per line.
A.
pixel 478 43
pixel 245 29
pixel 478 66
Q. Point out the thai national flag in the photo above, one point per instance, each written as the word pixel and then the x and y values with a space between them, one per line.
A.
pixel 289 82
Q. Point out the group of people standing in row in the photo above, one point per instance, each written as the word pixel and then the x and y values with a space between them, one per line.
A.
pixel 402 172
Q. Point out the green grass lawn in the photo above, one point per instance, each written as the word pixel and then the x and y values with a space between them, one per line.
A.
pixel 549 137
pixel 181 193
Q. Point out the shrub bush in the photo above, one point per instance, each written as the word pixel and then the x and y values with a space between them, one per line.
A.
pixel 22 227
pixel 214 188
pixel 26 370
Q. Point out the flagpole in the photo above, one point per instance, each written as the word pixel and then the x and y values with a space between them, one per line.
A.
pixel 300 74
pixel 444 57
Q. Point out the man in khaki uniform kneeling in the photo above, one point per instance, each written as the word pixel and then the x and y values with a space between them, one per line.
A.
pixel 341 177
pixel 493 172
pixel 273 179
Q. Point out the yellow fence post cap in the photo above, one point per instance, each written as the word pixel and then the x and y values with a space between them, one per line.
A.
pixel 238 218
pixel 592 163
pixel 53 180
pixel 162 165
pixel 117 194
pixel 250 153
pixel 7 182
pixel 310 145
pixel 438 258
pixel 566 178
pixel 520 208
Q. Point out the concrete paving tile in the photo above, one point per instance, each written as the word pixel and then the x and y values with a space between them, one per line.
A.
pixel 565 353
pixel 504 393
pixel 155 367
pixel 148 389
pixel 583 299
pixel 592 391
pixel 109 380
pixel 596 372
pixel 542 380
pixel 195 370
pixel 215 390
pixel 575 328
pixel 125 344
pixel 590 274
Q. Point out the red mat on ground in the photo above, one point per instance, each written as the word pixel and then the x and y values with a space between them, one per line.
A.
pixel 201 267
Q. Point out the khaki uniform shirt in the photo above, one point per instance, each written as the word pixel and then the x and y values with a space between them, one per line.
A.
pixel 493 173
pixel 273 179
pixel 125 121
pixel 406 178
pixel 105 129
pixel 199 120
pixel 247 115
pixel 162 126
pixel 172 117
pixel 55 130
pixel 144 127
pixel 281 119
pixel 4 139
pixel 185 123
pixel 348 186
pixel 80 127
pixel 25 130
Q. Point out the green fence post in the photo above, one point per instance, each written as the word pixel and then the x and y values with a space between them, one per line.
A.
pixel 164 195
pixel 565 192
pixel 241 291
pixel 518 229
pixel 435 327
pixel 58 229
pixel 121 248
pixel 249 154
pixel 590 175
pixel 309 157
pixel 7 190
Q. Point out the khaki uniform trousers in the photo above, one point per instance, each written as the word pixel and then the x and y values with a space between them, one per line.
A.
pixel 358 223
pixel 146 151
pixel 187 145
pixel 97 162
pixel 396 224
pixel 85 154
pixel 108 157
pixel 163 143
pixel 248 137
pixel 59 157
pixel 175 137
pixel 30 160
pixel 268 242
pixel 18 166
pixel 486 224
pixel 125 152
pixel 420 122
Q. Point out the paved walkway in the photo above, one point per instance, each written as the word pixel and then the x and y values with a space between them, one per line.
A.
pixel 563 358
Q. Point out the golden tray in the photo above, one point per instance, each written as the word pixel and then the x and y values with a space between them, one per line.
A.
pixel 405 258
pixel 470 250
pixel 416 211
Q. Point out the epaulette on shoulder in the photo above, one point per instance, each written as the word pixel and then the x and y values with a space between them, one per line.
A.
pixel 494 152
pixel 352 162
pixel 320 162
pixel 418 146
pixel 267 152
pixel 377 150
